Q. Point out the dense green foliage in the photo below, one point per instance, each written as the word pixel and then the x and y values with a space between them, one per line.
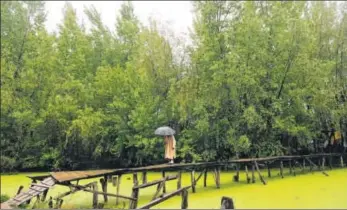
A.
pixel 260 78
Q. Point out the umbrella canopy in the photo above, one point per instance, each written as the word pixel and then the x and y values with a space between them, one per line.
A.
pixel 164 131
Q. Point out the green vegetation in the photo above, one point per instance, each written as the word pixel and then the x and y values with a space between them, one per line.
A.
pixel 314 191
pixel 4 198
pixel 260 78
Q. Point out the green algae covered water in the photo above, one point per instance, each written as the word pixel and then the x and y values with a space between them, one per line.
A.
pixel 308 190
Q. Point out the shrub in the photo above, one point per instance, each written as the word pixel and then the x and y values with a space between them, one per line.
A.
pixel 7 164
pixel 4 198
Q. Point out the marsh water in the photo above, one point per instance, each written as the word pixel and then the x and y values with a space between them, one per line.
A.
pixel 305 190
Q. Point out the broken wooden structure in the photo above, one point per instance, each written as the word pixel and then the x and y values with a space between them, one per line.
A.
pixel 41 184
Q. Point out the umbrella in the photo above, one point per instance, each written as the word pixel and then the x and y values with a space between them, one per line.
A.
pixel 164 131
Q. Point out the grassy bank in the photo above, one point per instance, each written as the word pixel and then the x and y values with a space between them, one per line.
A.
pixel 303 191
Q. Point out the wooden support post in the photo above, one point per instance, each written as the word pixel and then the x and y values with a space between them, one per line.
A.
pixel 101 205
pixel 164 185
pixel 184 202
pixel 144 177
pixel 281 168
pixel 247 176
pixel 109 179
pixel 192 178
pixel 331 162
pixel 56 204
pixel 205 177
pixel 114 181
pixel 323 163
pixel 103 182
pixel 60 203
pixel 38 198
pixel 311 166
pixel 268 170
pixel 44 195
pixel 237 176
pixel 50 202
pixel 260 176
pixel 95 195
pixel 303 165
pixel 135 193
pixel 290 167
pixel 118 186
pixel 341 162
pixel 253 176
pixel 179 180
pixel 20 189
pixel 135 180
pixel 217 177
pixel 227 203
pixel 293 169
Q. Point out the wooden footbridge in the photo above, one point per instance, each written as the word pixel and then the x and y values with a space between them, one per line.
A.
pixel 41 184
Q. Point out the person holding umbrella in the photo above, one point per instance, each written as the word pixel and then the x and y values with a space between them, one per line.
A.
pixel 170 142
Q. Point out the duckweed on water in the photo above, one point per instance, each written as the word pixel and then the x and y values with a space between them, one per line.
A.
pixel 303 191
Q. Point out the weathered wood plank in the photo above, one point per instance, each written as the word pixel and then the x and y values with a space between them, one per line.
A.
pixel 157 192
pixel 40 185
pixel 200 175
pixel 76 188
pixel 149 184
pixel 164 198
pixel 313 164
pixel 84 188
pixel 109 194
pixel 260 176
